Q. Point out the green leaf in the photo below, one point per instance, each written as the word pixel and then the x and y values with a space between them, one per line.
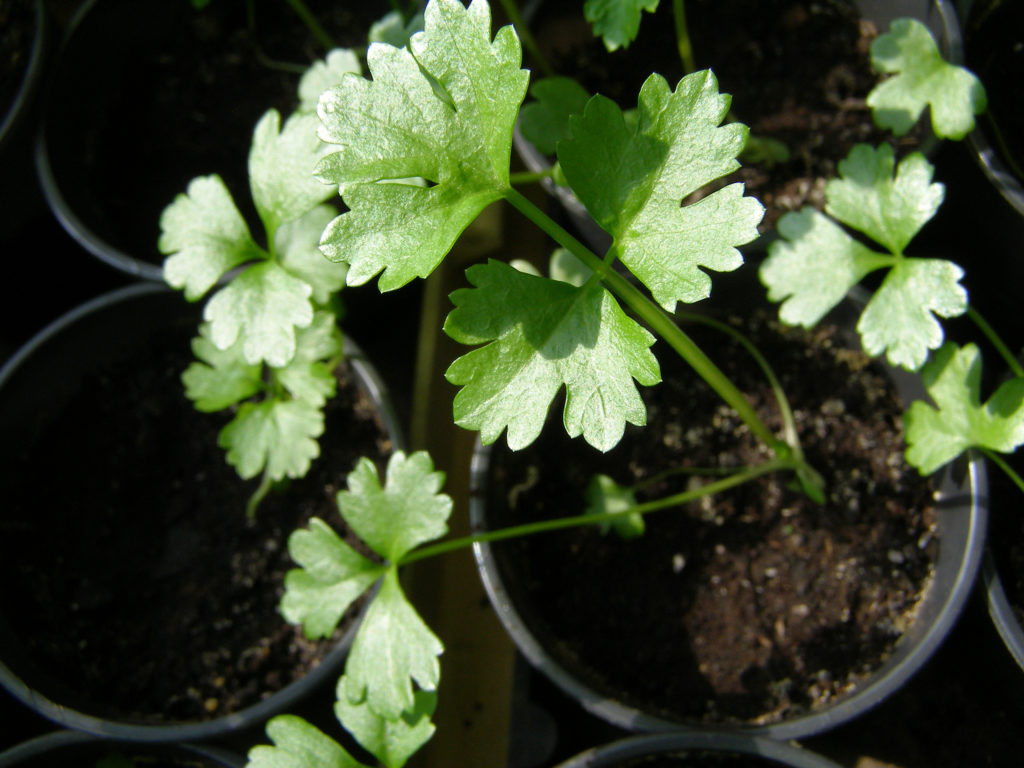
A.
pixel 813 265
pixel 922 78
pixel 204 236
pixel 325 74
pixel 953 379
pixel 276 436
pixel 407 512
pixel 332 576
pixel 392 648
pixel 220 378
pixel 392 742
pixel 281 163
pixel 297 244
pixel 636 195
pixel 297 744
pixel 565 267
pixel 545 121
pixel 309 376
pixel 442 111
pixel 544 334
pixel 898 319
pixel 391 29
pixel 888 208
pixel 617 21
pixel 605 496
pixel 263 306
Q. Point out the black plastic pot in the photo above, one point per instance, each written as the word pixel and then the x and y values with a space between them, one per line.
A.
pixel 16 113
pixel 961 495
pixel 938 15
pixel 999 608
pixel 72 749
pixel 34 385
pixel 989 43
pixel 753 749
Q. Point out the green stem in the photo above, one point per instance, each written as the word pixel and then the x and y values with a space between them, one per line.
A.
pixel 312 23
pixel 544 526
pixel 526 36
pixel 257 496
pixel 683 37
pixel 656 318
pixel 1004 148
pixel 997 342
pixel 531 177
pixel 1000 462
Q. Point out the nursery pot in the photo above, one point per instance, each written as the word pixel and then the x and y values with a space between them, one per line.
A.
pixel 732 541
pixel 807 186
pixel 27 73
pixel 992 40
pixel 74 749
pixel 126 127
pixel 154 521
pixel 670 749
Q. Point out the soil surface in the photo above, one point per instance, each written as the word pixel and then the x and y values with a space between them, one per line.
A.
pixel 755 605
pixel 798 72
pixel 180 99
pixel 132 575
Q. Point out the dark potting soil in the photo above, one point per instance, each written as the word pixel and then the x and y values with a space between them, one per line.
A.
pixel 698 760
pixel 17 31
pixel 131 573
pixel 751 606
pixel 798 72
pixel 994 50
pixel 180 102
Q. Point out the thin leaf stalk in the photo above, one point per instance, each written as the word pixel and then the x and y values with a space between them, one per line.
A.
pixel 526 36
pixel 531 177
pixel 312 23
pixel 1000 462
pixel 994 338
pixel 657 319
pixel 545 526
pixel 683 43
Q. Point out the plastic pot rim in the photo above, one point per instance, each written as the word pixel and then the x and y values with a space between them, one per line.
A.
pixel 32 79
pixel 781 752
pixel 1000 611
pixel 370 381
pixel 41 746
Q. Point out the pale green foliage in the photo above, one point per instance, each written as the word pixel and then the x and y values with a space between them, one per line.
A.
pixel 545 120
pixel 392 742
pixel 442 111
pixel 922 78
pixel 326 74
pixel 815 262
pixel 277 437
pixel 952 378
pixel 677 148
pixel 220 377
pixel 605 496
pixel 391 29
pixel 393 647
pixel 297 744
pixel 542 334
pixel 617 21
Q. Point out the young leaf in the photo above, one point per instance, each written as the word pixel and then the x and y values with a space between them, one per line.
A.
pixel 889 207
pixel 276 436
pixel 204 236
pixel 961 421
pixel 677 148
pixel 392 742
pixel 391 29
pixel 443 111
pixel 308 375
pixel 544 334
pixel 281 163
pixel 263 305
pixel 617 21
pixel 297 245
pixel 407 512
pixel 545 121
pixel 332 576
pixel 922 78
pixel 297 744
pixel 326 74
pixel 814 263
pixel 392 648
pixel 220 378
pixel 605 496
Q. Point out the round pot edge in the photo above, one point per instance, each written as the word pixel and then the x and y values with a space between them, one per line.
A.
pixel 44 745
